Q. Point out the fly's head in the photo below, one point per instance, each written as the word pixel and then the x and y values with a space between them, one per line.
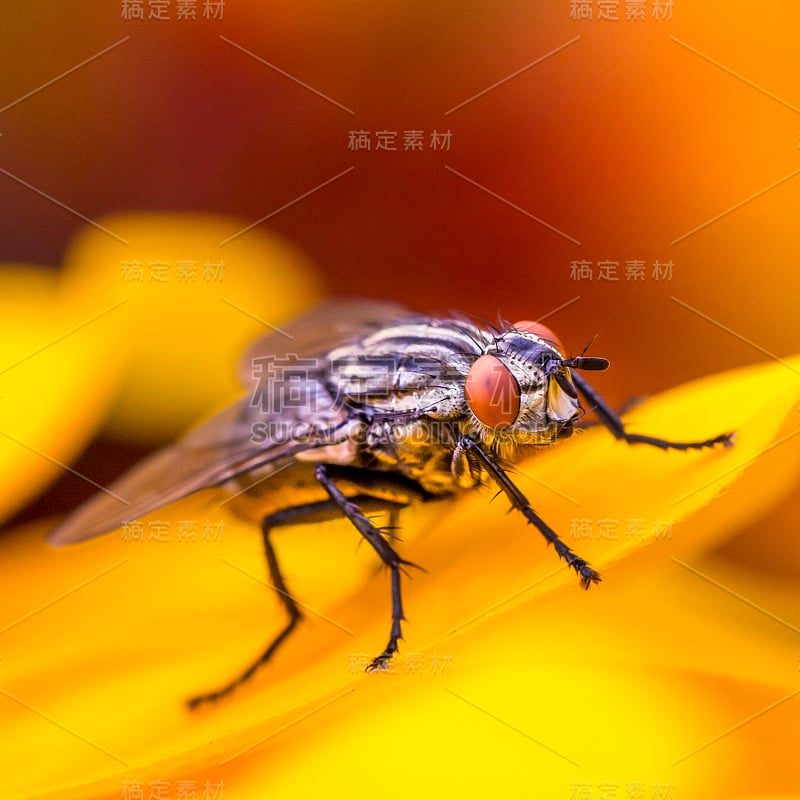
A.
pixel 520 390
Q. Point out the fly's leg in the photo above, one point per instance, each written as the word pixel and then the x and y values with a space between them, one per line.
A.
pixel 518 500
pixel 310 512
pixel 625 407
pixel 387 554
pixel 611 420
pixel 286 516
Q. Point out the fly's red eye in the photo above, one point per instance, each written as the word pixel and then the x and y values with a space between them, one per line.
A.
pixel 542 331
pixel 492 392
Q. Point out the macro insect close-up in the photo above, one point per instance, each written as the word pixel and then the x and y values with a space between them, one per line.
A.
pixel 399 397
pixel 361 405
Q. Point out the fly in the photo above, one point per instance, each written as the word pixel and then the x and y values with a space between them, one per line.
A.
pixel 360 406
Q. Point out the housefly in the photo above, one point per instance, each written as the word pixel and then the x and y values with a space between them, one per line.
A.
pixel 360 405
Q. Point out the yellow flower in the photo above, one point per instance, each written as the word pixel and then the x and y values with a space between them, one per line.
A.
pixel 677 677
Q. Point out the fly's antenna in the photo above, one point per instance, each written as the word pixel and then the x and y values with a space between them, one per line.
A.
pixel 554 369
pixel 588 363
pixel 590 343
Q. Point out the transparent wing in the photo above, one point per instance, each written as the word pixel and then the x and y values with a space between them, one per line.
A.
pixel 212 454
pixel 321 329
pixel 225 446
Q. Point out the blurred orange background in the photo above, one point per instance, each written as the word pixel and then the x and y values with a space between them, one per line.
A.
pixel 624 140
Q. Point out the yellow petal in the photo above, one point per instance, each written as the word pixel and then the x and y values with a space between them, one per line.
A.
pixel 52 392
pixel 511 679
pixel 191 293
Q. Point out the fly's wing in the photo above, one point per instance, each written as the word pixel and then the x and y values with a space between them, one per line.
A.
pixel 322 328
pixel 292 412
pixel 210 455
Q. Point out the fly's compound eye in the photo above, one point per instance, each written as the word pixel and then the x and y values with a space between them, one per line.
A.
pixel 492 392
pixel 542 331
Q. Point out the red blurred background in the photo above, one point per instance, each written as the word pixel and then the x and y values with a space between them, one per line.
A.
pixel 633 134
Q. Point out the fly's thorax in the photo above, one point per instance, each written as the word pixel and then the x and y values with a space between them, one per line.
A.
pixel 410 370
